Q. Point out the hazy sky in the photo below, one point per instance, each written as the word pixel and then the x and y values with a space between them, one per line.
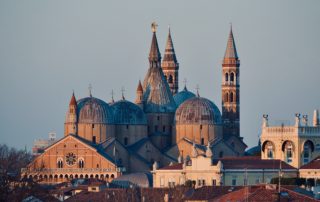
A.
pixel 48 48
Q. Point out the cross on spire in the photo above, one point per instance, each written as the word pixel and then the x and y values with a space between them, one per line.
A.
pixel 197 88
pixel 122 92
pixel 90 89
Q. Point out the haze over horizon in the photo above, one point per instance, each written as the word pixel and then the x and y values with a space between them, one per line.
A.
pixel 49 48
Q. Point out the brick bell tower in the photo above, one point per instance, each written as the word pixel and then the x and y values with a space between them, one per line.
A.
pixel 231 90
pixel 170 66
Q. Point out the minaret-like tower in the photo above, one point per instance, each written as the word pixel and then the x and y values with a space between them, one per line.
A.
pixel 170 66
pixel 231 89
pixel 71 119
pixel 139 95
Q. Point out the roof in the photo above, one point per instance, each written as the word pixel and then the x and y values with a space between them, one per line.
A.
pixel 94 110
pixel 182 96
pixel 231 51
pixel 262 193
pixel 314 164
pixel 252 162
pixel 73 100
pixel 176 166
pixel 169 54
pixel 154 54
pixel 211 192
pixel 198 110
pixel 136 179
pixel 126 112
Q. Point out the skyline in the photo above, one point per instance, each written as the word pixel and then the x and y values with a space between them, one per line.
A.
pixel 63 54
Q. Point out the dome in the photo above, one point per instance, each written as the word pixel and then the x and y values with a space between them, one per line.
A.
pixel 94 110
pixel 182 96
pixel 198 110
pixel 126 112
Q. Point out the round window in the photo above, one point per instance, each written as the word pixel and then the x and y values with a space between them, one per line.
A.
pixel 71 159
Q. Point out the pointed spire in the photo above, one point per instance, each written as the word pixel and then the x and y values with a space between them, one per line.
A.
pixel 169 54
pixel 231 51
pixel 73 100
pixel 154 55
pixel 139 88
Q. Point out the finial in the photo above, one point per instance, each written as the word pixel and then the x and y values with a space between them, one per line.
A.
pixel 185 83
pixel 112 94
pixel 90 89
pixel 154 26
pixel 231 26
pixel 72 91
pixel 122 92
pixel 197 88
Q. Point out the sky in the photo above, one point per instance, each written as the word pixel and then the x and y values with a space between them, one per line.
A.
pixel 50 48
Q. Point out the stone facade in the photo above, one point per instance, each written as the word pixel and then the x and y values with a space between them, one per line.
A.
pixel 297 145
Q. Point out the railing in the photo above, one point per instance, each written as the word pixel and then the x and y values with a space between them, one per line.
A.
pixel 293 129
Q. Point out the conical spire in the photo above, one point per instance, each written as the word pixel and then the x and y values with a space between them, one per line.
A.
pixel 139 88
pixel 169 54
pixel 154 55
pixel 73 100
pixel 231 51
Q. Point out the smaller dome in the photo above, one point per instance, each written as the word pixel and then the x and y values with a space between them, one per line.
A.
pixel 126 112
pixel 94 110
pixel 182 96
pixel 198 110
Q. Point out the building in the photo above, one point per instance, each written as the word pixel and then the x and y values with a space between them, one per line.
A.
pixel 105 140
pixel 203 170
pixel 311 170
pixel 296 144
pixel 39 145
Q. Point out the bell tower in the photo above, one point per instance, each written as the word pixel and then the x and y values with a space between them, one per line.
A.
pixel 231 89
pixel 71 118
pixel 170 66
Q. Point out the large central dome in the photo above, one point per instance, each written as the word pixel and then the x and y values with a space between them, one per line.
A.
pixel 94 110
pixel 126 112
pixel 198 110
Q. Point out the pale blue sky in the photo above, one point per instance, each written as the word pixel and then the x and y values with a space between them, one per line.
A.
pixel 48 48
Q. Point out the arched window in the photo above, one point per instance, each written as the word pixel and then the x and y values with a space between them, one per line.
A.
pixel 60 163
pixel 170 80
pixel 232 77
pixel 307 150
pixel 288 151
pixel 125 141
pixel 226 97
pixel 231 97
pixel 226 77
pixel 270 149
pixel 202 141
pixel 81 163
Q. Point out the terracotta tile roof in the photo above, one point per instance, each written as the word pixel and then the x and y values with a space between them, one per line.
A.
pixel 314 164
pixel 261 193
pixel 251 162
pixel 177 166
pixel 211 192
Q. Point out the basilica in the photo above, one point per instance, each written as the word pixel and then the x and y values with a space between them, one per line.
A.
pixel 164 125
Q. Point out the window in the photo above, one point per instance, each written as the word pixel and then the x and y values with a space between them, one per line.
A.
pixel 200 127
pixel 226 97
pixel 226 77
pixel 60 163
pixel 158 118
pixel 214 182
pixel 306 152
pixel 171 182
pixel 269 150
pixel 81 163
pixel 288 152
pixel 156 128
pixel 92 125
pixel 170 80
pixel 234 182
pixel 232 77
pixel 163 129
pixel 94 139
pixel 202 141
pixel 231 97
pixel 127 126
pixel 125 141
